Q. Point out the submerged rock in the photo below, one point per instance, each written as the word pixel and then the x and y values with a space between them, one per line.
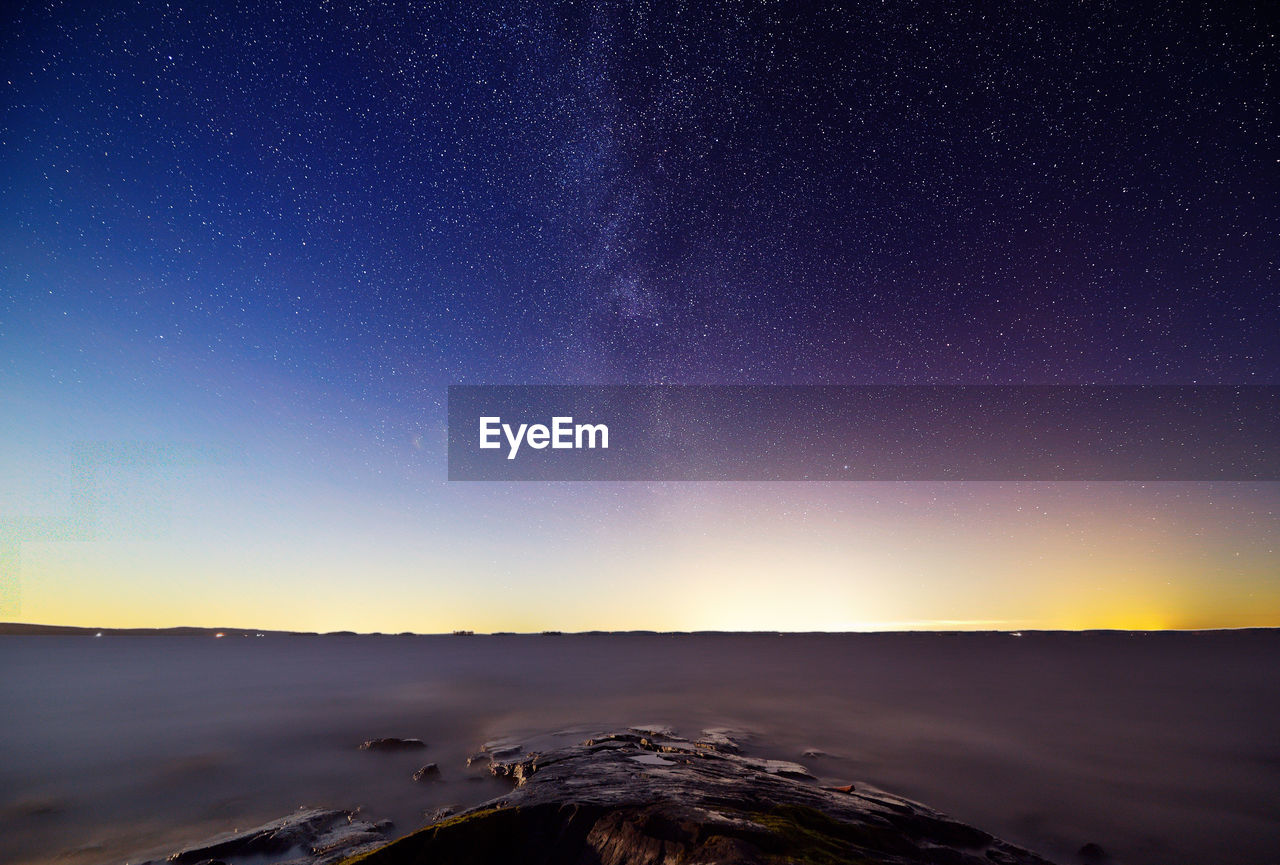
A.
pixel 501 747
pixel 393 744
pixel 647 797
pixel 1092 854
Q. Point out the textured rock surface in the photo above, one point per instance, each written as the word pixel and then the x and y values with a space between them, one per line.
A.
pixel 647 797
pixel 313 836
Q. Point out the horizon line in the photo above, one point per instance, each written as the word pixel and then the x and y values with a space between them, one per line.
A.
pixel 36 629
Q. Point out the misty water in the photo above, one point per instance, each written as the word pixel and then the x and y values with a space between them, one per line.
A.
pixel 1158 747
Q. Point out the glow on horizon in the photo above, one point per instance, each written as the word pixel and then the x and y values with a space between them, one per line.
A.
pixel 280 524
pixel 690 559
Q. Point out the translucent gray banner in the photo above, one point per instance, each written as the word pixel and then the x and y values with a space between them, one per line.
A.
pixel 861 433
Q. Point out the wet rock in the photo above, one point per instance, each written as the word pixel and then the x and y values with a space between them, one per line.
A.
pixel 501 747
pixel 785 768
pixel 393 744
pixel 440 813
pixel 717 740
pixel 618 738
pixel 653 730
pixel 429 772
pixel 494 750
pixel 351 839
pixel 314 836
pixel 643 798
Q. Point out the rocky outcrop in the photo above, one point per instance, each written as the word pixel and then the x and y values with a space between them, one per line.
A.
pixel 648 797
pixel 310 836
pixel 640 797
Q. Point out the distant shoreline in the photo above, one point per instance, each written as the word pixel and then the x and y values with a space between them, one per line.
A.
pixel 21 629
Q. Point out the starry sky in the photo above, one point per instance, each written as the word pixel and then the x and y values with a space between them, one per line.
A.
pixel 246 247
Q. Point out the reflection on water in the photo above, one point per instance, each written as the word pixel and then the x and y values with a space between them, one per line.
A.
pixel 1157 747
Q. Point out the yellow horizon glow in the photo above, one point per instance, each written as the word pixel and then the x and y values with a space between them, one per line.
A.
pixel 675 558
pixel 132 587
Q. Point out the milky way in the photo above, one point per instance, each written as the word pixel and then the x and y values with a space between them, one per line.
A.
pixel 657 192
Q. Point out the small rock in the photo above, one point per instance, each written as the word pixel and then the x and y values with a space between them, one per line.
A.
pixel 429 772
pixel 393 744
pixel 813 752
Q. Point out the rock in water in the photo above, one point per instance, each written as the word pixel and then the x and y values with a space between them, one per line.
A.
pixel 393 744
pixel 313 836
pixel 429 772
pixel 628 799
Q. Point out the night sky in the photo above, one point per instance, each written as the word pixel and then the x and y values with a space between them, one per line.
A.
pixel 246 249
